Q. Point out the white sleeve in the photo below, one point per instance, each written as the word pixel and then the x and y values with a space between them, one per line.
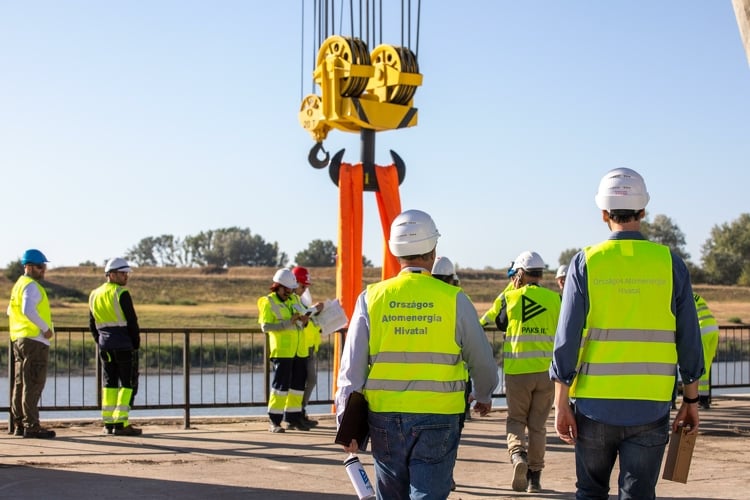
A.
pixel 29 300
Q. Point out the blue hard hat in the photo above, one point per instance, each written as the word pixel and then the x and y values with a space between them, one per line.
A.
pixel 33 256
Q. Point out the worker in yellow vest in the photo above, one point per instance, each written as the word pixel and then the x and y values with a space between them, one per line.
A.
pixel 627 319
pixel 528 316
pixel 488 318
pixel 410 341
pixel 30 327
pixel 281 317
pixel 710 340
pixel 114 325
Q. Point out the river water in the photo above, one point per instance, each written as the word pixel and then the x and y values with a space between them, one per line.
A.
pixel 243 388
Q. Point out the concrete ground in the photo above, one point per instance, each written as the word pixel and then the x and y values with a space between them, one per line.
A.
pixel 239 458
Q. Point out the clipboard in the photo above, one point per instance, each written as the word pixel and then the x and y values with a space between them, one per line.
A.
pixel 354 422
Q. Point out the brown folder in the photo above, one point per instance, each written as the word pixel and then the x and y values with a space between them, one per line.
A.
pixel 354 422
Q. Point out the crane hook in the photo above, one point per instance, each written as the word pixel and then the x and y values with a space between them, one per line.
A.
pixel 313 156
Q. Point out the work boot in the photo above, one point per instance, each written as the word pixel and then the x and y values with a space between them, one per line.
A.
pixel 275 428
pixel 704 402
pixel 38 433
pixel 297 424
pixel 308 421
pixel 520 467
pixel 534 485
pixel 109 429
pixel 128 430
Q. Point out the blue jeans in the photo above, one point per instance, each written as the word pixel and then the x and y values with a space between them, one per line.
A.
pixel 414 454
pixel 640 448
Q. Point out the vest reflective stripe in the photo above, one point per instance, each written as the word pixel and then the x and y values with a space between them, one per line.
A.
pixel 417 385
pixel 630 335
pixel 281 343
pixel 528 355
pixel 705 330
pixel 415 363
pixel 416 357
pixel 529 338
pixel 628 349
pixel 630 369
pixel 18 324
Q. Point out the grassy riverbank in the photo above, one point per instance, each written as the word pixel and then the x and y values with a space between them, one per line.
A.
pixel 170 297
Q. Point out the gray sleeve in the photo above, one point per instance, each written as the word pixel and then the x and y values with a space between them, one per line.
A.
pixel 355 357
pixel 475 350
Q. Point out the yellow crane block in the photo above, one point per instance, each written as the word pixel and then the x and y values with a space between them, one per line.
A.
pixel 360 90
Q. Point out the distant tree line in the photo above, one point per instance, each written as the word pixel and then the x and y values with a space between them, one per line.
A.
pixel 725 256
pixel 226 247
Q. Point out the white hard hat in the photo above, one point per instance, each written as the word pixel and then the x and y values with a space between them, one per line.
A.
pixel 117 264
pixel 561 271
pixel 413 232
pixel 528 260
pixel 285 277
pixel 443 267
pixel 622 189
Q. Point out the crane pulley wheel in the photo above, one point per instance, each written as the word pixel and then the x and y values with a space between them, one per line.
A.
pixel 402 60
pixel 351 50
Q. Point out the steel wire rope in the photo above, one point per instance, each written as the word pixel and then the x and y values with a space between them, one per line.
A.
pixel 380 41
pixel 351 16
pixel 302 54
pixel 419 16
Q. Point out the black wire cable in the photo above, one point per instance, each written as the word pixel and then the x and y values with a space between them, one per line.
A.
pixel 408 24
pixel 302 54
pixel 380 41
pixel 351 16
pixel 419 18
pixel 402 23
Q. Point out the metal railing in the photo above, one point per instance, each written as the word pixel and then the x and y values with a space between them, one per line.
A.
pixel 194 368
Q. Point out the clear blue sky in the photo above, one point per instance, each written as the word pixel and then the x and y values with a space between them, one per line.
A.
pixel 122 120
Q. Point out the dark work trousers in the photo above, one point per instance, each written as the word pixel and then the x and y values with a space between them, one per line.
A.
pixel 120 369
pixel 31 358
pixel 289 384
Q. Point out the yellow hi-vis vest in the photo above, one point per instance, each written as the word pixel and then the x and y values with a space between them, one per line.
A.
pixel 274 316
pixel 302 344
pixel 628 346
pixel 312 335
pixel 709 339
pixel 18 324
pixel 415 362
pixel 708 324
pixel 104 303
pixel 532 320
